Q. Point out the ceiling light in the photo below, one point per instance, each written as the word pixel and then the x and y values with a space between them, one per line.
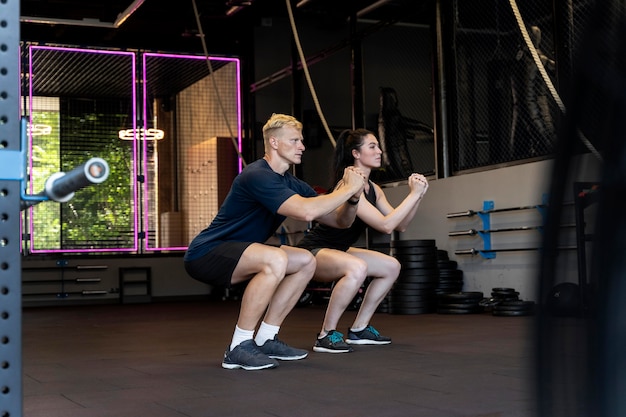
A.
pixel 141 133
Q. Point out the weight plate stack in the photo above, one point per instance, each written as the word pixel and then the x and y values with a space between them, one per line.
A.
pixel 415 289
pixel 467 302
pixel 514 308
pixel 506 302
pixel 450 277
pixel 498 296
pixel 504 294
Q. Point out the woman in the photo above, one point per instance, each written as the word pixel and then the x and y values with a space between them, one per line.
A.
pixel 347 266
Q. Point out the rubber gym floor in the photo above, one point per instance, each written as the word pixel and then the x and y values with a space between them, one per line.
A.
pixel 163 359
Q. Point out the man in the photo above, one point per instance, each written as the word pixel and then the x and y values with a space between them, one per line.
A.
pixel 232 249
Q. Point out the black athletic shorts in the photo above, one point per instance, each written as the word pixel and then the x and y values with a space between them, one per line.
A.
pixel 217 266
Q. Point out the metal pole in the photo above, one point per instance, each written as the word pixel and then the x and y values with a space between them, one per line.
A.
pixel 356 72
pixel 10 176
pixel 442 136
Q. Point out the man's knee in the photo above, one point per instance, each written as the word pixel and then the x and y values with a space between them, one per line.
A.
pixel 275 262
pixel 263 259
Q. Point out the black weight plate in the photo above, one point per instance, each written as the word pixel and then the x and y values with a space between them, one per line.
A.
pixel 460 305
pixel 442 254
pixel 451 284
pixel 412 243
pixel 512 313
pixel 508 295
pixel 418 279
pixel 426 259
pixel 449 289
pixel 419 267
pixel 443 300
pixel 407 302
pixel 443 291
pixel 415 268
pixel 518 303
pixel 506 299
pixel 420 296
pixel 512 308
pixel 503 289
pixel 448 281
pixel 412 303
pixel 413 279
pixel 467 295
pixel 505 293
pixel 443 283
pixel 420 272
pixel 453 277
pixel 415 294
pixel 447 264
pixel 415 251
pixel 519 306
pixel 450 272
pixel 456 311
pixel 425 288
pixel 406 285
pixel 489 302
pixel 416 258
pixel 412 257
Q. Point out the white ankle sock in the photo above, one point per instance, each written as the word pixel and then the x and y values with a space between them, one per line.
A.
pixel 265 332
pixel 240 335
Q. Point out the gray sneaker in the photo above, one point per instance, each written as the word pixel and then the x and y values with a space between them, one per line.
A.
pixel 332 343
pixel 277 349
pixel 247 355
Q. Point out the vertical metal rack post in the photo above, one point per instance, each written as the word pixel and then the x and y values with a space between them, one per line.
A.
pixel 585 195
pixel 10 179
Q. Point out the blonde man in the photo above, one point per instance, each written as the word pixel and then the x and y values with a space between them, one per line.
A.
pixel 232 248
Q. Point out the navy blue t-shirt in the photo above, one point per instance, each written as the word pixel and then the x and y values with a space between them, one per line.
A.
pixel 249 212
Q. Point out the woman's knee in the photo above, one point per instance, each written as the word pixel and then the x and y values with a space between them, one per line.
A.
pixel 357 269
pixel 394 267
pixel 309 263
pixel 305 260
pixel 388 268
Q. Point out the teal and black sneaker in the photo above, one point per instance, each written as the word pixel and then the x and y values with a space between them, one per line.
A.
pixel 367 336
pixel 332 343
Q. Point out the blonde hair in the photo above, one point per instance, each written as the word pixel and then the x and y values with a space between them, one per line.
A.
pixel 278 121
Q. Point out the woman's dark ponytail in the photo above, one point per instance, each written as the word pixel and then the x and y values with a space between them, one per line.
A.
pixel 347 141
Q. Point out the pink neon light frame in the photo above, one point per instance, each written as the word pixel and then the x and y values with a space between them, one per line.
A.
pixel 145 121
pixel 132 55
